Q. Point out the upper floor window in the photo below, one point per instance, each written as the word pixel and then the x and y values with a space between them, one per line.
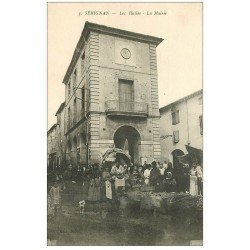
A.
pixel 74 77
pixel 176 136
pixel 201 124
pixel 126 95
pixel 175 117
pixel 69 117
pixel 59 119
pixel 83 97
pixel 69 89
pixel 74 114
pixel 82 61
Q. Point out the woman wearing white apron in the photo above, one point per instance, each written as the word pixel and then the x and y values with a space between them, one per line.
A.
pixel 118 175
pixel 193 181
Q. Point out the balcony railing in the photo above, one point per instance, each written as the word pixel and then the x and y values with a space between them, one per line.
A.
pixel 117 108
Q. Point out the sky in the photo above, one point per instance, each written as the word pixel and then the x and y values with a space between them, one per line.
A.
pixel 179 56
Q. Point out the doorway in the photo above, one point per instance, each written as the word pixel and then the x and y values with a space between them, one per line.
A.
pixel 128 139
pixel 175 154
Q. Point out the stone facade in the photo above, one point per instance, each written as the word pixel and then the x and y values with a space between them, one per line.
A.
pixel 187 125
pixel 112 92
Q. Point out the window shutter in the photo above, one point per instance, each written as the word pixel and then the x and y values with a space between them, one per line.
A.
pixel 175 117
pixel 201 124
pixel 176 136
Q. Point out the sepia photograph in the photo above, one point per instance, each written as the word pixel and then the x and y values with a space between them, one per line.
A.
pixel 125 124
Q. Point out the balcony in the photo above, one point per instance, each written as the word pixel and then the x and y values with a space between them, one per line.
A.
pixel 117 108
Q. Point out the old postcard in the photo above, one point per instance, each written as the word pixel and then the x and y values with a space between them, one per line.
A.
pixel 125 124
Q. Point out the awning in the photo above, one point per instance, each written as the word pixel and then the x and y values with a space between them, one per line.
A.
pixel 193 150
pixel 110 154
pixel 195 153
pixel 184 159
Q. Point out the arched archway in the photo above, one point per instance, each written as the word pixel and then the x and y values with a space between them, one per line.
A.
pixel 175 153
pixel 128 139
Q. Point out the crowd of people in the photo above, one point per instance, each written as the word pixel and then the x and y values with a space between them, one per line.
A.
pixel 106 181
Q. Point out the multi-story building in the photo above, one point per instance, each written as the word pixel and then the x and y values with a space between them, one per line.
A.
pixel 181 124
pixel 52 147
pixel 112 95
pixel 61 142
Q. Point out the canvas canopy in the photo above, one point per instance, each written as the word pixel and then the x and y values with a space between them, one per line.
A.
pixel 194 154
pixel 184 159
pixel 111 155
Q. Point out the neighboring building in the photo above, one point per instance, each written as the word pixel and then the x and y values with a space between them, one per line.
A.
pixel 52 147
pixel 112 95
pixel 61 142
pixel 181 124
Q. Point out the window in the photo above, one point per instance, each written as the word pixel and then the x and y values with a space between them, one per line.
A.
pixel 69 89
pixel 59 119
pixel 83 98
pixel 126 95
pixel 200 100
pixel 68 117
pixel 201 124
pixel 175 117
pixel 82 61
pixel 74 114
pixel 176 136
pixel 74 77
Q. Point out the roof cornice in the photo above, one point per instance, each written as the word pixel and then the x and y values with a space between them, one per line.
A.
pixel 165 108
pixel 53 127
pixel 60 108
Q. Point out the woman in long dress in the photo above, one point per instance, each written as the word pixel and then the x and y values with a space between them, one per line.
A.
pixel 147 173
pixel 117 173
pixel 54 199
pixel 106 192
pixel 193 181
pixel 94 186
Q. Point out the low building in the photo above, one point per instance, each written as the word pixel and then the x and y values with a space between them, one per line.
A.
pixel 52 147
pixel 181 124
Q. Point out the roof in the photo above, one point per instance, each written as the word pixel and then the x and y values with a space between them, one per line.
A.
pixel 53 127
pixel 165 108
pixel 60 108
pixel 110 31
